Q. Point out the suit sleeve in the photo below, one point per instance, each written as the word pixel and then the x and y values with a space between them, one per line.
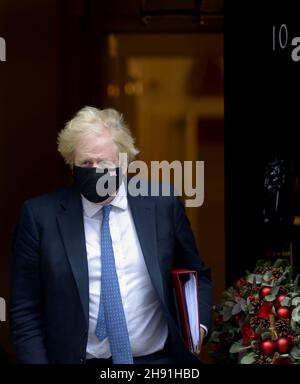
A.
pixel 187 257
pixel 26 315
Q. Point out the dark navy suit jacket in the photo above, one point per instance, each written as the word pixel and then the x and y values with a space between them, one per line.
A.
pixel 49 304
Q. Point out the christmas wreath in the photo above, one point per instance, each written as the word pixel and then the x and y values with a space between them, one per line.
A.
pixel 258 319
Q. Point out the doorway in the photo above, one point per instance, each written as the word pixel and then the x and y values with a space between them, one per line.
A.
pixel 169 88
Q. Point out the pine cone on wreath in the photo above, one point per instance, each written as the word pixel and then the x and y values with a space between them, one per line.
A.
pixel 282 327
pixel 256 304
pixel 261 270
pixel 263 359
pixel 264 323
pixel 254 322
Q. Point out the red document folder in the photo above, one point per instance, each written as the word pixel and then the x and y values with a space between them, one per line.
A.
pixel 179 277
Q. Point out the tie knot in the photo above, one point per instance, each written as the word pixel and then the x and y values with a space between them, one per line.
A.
pixel 106 211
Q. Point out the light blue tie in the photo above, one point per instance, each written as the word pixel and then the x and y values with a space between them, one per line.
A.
pixel 111 321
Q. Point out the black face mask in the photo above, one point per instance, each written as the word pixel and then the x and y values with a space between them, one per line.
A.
pixel 97 186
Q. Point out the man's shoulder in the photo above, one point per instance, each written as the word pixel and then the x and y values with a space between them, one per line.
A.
pixel 49 199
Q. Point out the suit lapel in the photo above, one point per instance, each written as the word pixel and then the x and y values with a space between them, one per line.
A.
pixel 143 213
pixel 71 225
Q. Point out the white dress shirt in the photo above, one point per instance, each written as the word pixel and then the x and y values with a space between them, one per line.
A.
pixel 147 326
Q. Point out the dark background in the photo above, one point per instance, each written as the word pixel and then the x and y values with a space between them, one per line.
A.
pixel 51 71
pixel 261 122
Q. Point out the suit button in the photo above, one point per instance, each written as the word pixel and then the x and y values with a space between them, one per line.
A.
pixel 81 361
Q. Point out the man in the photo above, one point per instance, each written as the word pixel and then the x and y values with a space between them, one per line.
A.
pixel 91 280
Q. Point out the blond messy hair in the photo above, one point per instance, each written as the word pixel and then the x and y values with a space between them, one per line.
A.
pixel 90 121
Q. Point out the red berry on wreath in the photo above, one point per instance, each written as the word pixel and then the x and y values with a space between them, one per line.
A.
pixel 279 299
pixel 283 345
pixel 265 291
pixel 267 347
pixel 283 313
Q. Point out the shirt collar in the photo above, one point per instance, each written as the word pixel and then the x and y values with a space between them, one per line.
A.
pixel 120 201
